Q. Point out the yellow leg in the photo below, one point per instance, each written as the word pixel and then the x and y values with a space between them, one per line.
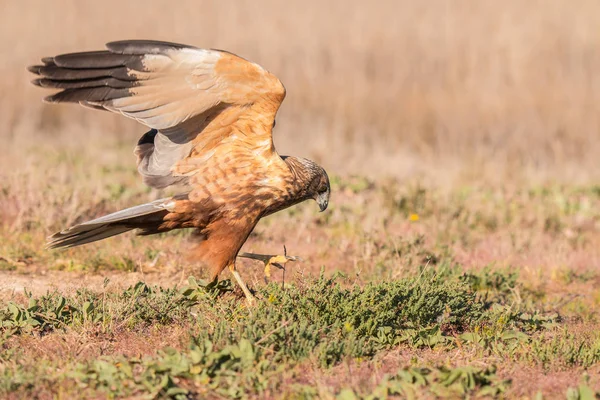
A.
pixel 278 261
pixel 240 282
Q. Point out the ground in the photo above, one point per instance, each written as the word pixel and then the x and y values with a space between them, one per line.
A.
pixel 471 291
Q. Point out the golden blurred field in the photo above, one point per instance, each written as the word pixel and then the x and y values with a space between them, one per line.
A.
pixel 463 141
pixel 442 90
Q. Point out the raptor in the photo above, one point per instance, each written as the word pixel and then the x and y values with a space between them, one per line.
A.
pixel 211 116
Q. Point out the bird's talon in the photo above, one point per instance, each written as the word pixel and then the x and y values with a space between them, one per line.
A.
pixel 277 261
pixel 278 266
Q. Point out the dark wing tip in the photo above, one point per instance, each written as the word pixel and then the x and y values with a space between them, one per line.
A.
pixel 89 94
pixel 84 83
pixel 51 99
pixel 35 69
pixel 138 47
pixel 92 59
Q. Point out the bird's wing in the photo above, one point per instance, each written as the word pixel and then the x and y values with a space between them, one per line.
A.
pixel 176 90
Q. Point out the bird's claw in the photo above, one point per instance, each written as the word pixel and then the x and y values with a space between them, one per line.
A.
pixel 277 261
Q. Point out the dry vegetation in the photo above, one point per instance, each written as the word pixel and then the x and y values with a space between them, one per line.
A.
pixel 464 138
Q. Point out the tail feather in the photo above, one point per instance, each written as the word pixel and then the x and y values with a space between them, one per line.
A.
pixel 146 216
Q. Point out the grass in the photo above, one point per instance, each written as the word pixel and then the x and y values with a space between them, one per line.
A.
pixel 453 293
pixel 459 257
pixel 230 350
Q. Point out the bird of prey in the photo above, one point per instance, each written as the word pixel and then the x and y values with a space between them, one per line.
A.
pixel 211 116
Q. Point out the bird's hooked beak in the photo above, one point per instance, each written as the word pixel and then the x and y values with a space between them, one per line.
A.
pixel 323 200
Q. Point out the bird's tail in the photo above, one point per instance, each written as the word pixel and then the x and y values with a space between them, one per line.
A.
pixel 146 217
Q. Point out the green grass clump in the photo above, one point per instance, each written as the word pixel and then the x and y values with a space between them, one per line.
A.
pixel 356 321
pixel 565 349
pixel 133 307
pixel 318 319
pixel 237 351
pixel 441 382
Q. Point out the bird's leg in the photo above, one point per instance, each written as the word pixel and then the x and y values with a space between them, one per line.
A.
pixel 240 282
pixel 277 261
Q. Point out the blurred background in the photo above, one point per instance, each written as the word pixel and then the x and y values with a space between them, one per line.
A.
pixel 440 91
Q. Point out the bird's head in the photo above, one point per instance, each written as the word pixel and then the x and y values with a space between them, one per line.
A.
pixel 312 180
pixel 321 189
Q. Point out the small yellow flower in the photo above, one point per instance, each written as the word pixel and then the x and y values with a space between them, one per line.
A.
pixel 195 369
pixel 413 217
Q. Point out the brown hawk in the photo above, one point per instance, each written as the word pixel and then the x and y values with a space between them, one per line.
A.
pixel 211 115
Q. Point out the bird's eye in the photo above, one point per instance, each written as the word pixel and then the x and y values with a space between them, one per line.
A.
pixel 322 189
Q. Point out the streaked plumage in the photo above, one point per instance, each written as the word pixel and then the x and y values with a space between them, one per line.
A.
pixel 211 115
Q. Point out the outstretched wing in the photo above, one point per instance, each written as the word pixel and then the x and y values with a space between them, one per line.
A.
pixel 176 90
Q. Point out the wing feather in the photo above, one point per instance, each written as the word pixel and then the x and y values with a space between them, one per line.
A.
pixel 156 74
pixel 173 88
pixel 93 59
pixel 84 83
pixel 144 46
